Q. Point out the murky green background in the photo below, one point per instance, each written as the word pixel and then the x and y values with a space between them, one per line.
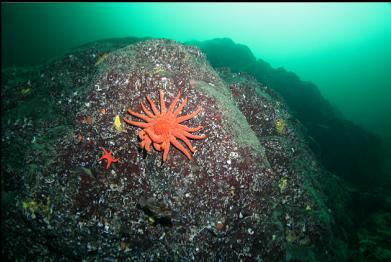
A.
pixel 344 48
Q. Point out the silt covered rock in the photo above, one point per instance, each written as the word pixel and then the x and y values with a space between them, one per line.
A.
pixel 250 191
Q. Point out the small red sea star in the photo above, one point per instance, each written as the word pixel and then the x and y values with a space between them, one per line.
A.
pixel 109 157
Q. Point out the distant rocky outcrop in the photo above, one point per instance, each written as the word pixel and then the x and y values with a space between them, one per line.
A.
pixel 342 147
pixel 253 190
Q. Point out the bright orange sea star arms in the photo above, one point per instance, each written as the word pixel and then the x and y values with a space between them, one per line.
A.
pixel 163 128
pixel 108 156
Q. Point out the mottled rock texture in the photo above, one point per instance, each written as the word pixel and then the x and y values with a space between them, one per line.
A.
pixel 251 192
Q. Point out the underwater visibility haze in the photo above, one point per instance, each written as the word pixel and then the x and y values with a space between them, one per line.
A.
pixel 196 131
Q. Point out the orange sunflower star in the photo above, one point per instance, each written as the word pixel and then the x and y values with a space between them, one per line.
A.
pixel 163 128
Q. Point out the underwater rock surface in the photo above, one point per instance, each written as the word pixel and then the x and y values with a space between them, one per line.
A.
pixel 341 146
pixel 253 189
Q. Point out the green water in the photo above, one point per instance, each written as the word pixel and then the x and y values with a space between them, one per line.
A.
pixel 345 49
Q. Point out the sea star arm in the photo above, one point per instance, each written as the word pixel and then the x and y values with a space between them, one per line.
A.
pixel 142 143
pixel 142 135
pixel 184 139
pixel 147 112
pixel 110 161
pixel 187 117
pixel 148 143
pixel 144 140
pixel 139 124
pixel 143 117
pixel 187 134
pixel 157 146
pixel 162 103
pixel 166 149
pixel 153 106
pixel 178 145
pixel 104 150
pixel 173 104
pixel 189 129
pixel 180 108
pixel 105 153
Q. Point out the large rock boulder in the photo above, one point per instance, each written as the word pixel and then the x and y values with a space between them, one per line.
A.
pixel 251 191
